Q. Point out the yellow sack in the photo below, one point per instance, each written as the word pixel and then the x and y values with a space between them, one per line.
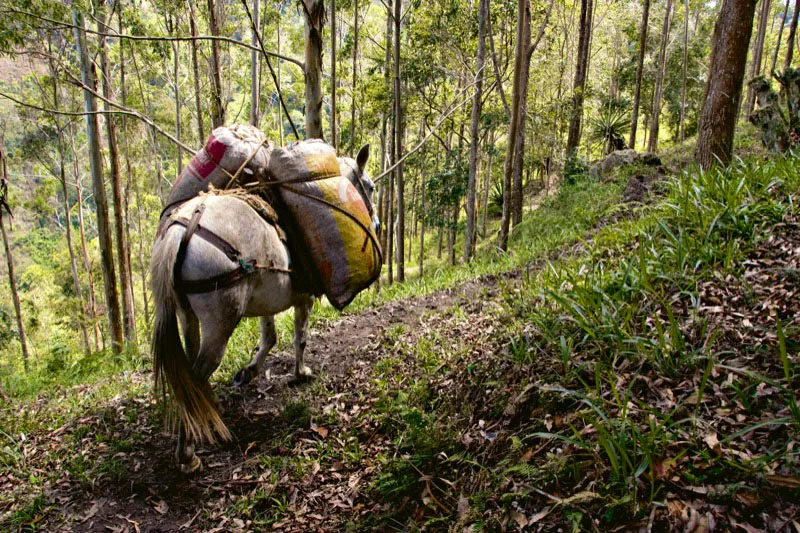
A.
pixel 331 216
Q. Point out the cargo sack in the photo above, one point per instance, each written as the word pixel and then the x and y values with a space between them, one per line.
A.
pixel 226 150
pixel 330 216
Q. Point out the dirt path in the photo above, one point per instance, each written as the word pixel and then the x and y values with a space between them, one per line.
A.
pixel 135 486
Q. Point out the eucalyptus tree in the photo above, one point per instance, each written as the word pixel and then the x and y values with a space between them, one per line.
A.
pixel 89 81
pixel 731 40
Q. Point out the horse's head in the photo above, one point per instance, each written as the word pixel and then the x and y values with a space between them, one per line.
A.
pixel 355 171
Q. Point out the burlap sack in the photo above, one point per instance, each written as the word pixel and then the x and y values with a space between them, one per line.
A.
pixel 337 231
pixel 220 159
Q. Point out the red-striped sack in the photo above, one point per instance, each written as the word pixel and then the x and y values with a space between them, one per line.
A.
pixel 215 164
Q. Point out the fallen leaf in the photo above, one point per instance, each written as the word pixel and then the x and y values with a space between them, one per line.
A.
pixel 319 430
pixel 161 507
pixel 712 440
pixel 519 518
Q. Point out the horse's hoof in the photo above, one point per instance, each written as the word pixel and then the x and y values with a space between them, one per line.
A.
pixel 303 373
pixel 196 465
pixel 242 377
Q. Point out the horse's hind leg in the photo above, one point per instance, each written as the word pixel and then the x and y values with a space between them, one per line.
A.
pixel 216 333
pixel 268 339
pixel 301 312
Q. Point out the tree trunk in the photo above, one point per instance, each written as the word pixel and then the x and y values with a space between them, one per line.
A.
pixel 130 178
pixel 254 64
pixel 353 100
pixel 62 178
pixel 574 134
pixel 523 19
pixel 662 67
pixel 12 278
pixel 315 22
pixel 487 184
pixel 196 72
pixel 132 181
pixel 682 120
pixel 724 87
pixel 519 142
pixel 469 240
pixel 787 62
pixel 217 108
pixel 780 34
pixel 278 76
pixel 758 52
pixel 96 164
pixel 637 92
pixel 129 318
pixel 82 233
pixel 334 139
pixel 398 139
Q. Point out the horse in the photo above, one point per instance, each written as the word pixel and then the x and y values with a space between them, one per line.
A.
pixel 186 369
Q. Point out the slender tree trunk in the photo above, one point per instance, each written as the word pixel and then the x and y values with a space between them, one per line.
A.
pixel 637 92
pixel 129 318
pixel 519 141
pixel 315 22
pixel 353 99
pixel 176 75
pixel 254 64
pixel 487 184
pixel 758 51
pixel 662 67
pixel 469 241
pixel 398 137
pixel 682 120
pixel 12 278
pixel 196 72
pixel 520 50
pixel 724 87
pixel 334 137
pixel 96 163
pixel 217 108
pixel 780 34
pixel 422 212
pixel 578 87
pixel 384 198
pixel 62 177
pixel 496 64
pixel 130 178
pixel 82 233
pixel 278 76
pixel 787 62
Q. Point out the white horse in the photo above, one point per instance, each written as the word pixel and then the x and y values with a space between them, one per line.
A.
pixel 262 292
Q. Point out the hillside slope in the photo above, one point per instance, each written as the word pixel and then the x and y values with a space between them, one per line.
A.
pixel 636 370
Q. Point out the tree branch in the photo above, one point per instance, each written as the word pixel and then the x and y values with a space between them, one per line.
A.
pixel 118 35
pixel 120 111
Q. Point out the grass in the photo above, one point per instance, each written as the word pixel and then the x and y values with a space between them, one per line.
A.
pixel 610 383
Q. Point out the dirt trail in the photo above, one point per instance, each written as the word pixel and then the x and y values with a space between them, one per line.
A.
pixel 148 493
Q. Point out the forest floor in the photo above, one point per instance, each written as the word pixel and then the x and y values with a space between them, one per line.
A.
pixel 630 379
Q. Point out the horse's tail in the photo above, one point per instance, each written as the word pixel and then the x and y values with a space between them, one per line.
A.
pixel 195 401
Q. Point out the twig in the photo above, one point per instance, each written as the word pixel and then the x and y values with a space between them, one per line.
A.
pixel 120 111
pixel 447 115
pixel 271 70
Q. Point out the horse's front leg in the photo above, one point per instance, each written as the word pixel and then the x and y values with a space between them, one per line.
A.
pixel 268 339
pixel 301 312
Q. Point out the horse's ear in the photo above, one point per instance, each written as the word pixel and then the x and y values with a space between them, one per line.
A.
pixel 361 158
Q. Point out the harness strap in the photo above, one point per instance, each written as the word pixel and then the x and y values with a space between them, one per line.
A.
pixel 220 281
pixel 207 235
